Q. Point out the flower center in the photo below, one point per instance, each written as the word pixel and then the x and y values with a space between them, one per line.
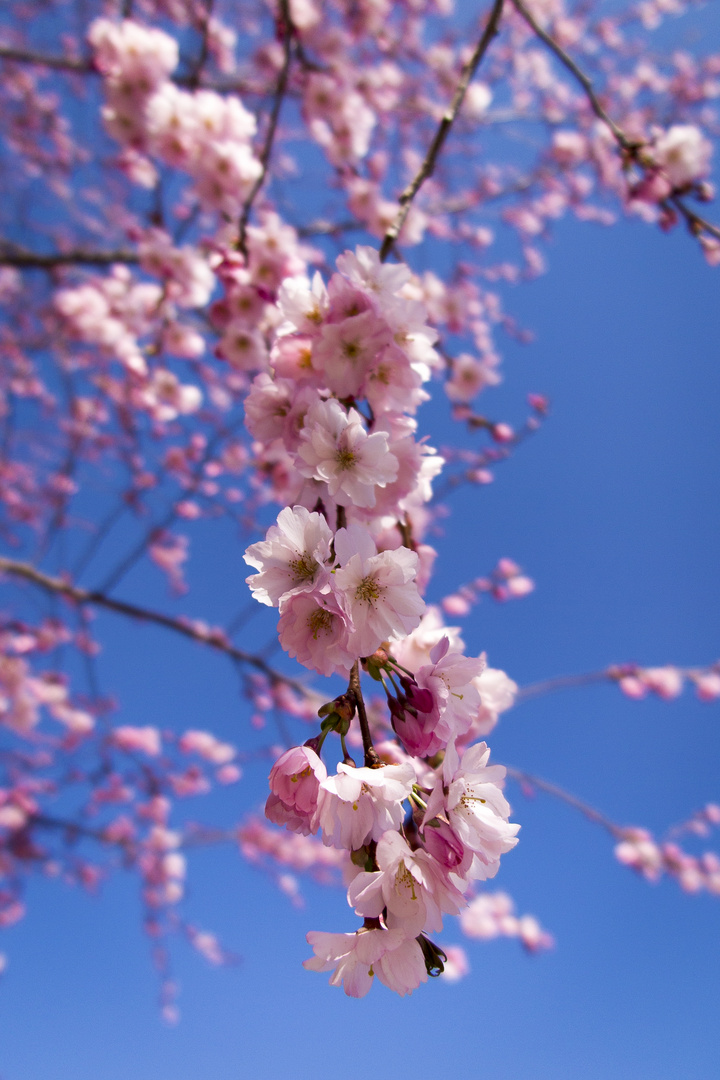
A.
pixel 368 590
pixel 320 620
pixel 304 568
pixel 345 459
pixel 351 349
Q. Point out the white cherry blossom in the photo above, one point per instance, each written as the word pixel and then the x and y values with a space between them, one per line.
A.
pixel 292 555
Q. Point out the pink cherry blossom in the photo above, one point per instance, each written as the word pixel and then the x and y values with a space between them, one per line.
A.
pixel 354 959
pixel 336 449
pixel 358 805
pixel 291 557
pixel 378 590
pixel 295 786
pixel 315 629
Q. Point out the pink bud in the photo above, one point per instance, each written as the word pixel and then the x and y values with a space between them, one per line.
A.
pixel 708 686
pixel 502 433
pixel 632 687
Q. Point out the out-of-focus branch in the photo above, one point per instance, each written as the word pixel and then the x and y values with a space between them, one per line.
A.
pixel 428 166
pixel 214 638
pixel 616 831
pixel 561 682
pixel 59 63
pixel 87 67
pixel 196 72
pixel 11 255
pixel 628 144
pixel 285 22
pixel 696 224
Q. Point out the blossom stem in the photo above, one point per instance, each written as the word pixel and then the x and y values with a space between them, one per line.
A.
pixel 428 166
pixel 416 799
pixel 371 754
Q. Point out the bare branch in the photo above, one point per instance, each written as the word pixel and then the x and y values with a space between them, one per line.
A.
pixel 214 638
pixel 285 21
pixel 616 831
pixel 196 72
pixel 59 63
pixel 561 682
pixel 428 166
pixel 629 145
pixel 695 223
pixel 12 255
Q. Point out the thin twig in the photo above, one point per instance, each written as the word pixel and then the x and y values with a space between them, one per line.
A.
pixel 215 639
pixel 285 21
pixel 562 682
pixel 631 146
pixel 10 255
pixel 196 72
pixel 695 223
pixel 59 63
pixel 428 166
pixel 585 809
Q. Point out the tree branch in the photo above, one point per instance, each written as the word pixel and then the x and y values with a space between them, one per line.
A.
pixel 428 166
pixel 371 754
pixel 59 63
pixel 214 638
pixel 631 146
pixel 285 21
pixel 11 255
pixel 616 831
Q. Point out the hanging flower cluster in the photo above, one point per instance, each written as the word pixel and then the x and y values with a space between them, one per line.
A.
pixel 419 821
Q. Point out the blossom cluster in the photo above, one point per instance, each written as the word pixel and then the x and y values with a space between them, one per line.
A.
pixel 200 132
pixel 425 816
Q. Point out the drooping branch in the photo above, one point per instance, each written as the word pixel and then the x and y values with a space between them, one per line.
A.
pixel 22 259
pixel 428 166
pixel 285 22
pixel 58 63
pixel 616 831
pixel 631 146
pixel 206 636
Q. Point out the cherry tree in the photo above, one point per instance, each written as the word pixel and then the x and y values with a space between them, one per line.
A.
pixel 216 322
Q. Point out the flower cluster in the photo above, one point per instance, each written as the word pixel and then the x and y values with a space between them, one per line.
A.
pixel 424 816
pixel 200 132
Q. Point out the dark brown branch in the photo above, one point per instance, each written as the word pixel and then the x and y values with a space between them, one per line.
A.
pixel 616 831
pixel 354 688
pixel 287 31
pixel 428 166
pixel 215 639
pixel 194 76
pixel 10 255
pixel 695 223
pixel 59 63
